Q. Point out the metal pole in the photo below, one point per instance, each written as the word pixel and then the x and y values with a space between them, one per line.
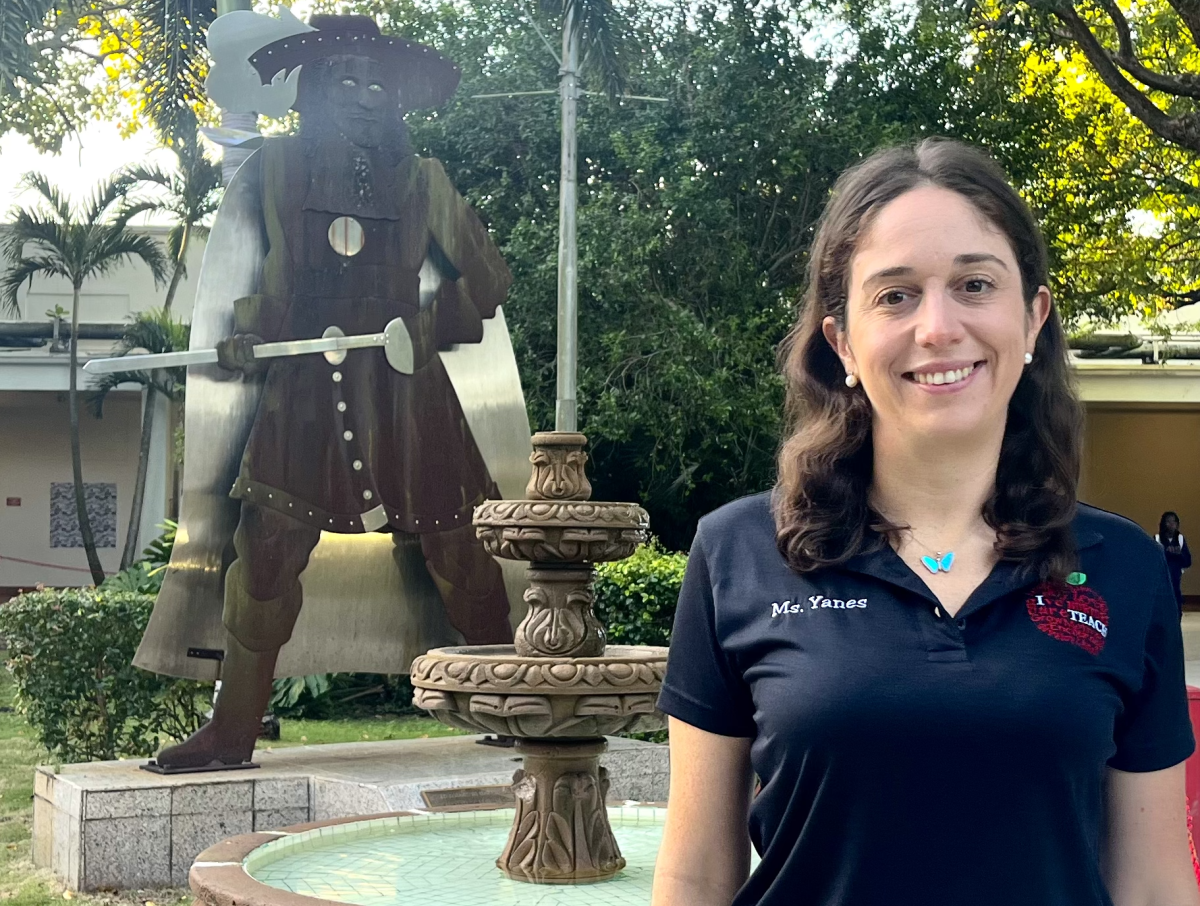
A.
pixel 232 158
pixel 565 410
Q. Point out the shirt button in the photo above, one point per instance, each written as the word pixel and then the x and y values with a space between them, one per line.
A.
pixel 937 612
pixel 962 623
pixel 357 465
pixel 348 435
pixel 367 495
pixel 341 407
pixel 337 377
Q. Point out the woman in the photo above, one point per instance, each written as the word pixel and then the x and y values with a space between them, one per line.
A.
pixel 1176 551
pixel 954 684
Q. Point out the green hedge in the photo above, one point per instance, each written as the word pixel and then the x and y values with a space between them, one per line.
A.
pixel 71 655
pixel 636 597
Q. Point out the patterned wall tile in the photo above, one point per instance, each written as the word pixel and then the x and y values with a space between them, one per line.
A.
pixel 101 501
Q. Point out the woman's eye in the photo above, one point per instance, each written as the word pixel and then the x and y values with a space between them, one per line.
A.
pixel 977 285
pixel 349 83
pixel 375 86
pixel 894 297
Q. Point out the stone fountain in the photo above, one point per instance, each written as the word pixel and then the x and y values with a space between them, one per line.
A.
pixel 559 689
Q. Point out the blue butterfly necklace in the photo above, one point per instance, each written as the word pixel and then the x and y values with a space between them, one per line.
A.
pixel 939 562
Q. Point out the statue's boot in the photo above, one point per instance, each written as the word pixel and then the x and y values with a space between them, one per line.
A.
pixel 237 715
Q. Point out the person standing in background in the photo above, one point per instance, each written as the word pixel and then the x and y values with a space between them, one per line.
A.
pixel 1179 557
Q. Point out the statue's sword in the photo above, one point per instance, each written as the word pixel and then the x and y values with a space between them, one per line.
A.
pixel 395 341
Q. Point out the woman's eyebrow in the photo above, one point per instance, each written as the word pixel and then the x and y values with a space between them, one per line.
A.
pixel 887 273
pixel 903 270
pixel 979 258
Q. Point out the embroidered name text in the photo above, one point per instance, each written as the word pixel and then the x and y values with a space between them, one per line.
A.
pixel 816 602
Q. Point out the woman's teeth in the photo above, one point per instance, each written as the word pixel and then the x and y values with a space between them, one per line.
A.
pixel 942 377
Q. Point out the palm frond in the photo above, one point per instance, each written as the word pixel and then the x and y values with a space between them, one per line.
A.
pixel 151 173
pixel 113 246
pixel 23 271
pixel 102 387
pixel 30 227
pixel 602 34
pixel 170 60
pixel 154 331
pixel 17 19
pixel 104 197
pixel 50 194
pixel 598 26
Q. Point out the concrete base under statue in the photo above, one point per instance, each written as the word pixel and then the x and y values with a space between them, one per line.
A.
pixel 111 825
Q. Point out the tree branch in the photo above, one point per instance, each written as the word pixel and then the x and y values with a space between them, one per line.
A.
pixel 1189 12
pixel 1181 130
pixel 1185 85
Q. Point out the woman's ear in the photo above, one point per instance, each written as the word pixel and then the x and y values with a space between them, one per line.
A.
pixel 836 337
pixel 1039 311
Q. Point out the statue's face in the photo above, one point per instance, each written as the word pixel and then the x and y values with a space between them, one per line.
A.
pixel 361 100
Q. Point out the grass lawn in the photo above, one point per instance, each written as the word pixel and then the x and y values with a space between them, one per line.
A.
pixel 23 885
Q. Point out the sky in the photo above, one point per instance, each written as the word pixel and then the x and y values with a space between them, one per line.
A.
pixel 85 160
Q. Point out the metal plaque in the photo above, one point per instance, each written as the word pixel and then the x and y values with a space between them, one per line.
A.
pixel 469 798
pixel 346 236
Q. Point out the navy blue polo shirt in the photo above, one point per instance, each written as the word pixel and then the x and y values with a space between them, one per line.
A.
pixel 907 757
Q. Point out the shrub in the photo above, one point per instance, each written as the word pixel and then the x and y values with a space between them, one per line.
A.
pixel 635 600
pixel 71 655
pixel 636 597
pixel 145 576
pixel 329 696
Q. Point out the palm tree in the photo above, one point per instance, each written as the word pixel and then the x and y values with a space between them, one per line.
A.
pixel 192 194
pixel 76 242
pixel 151 331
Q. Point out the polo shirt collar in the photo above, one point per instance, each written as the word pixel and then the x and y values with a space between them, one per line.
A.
pixel 884 564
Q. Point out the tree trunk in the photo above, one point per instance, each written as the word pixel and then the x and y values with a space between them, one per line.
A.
pixel 139 485
pixel 175 277
pixel 85 524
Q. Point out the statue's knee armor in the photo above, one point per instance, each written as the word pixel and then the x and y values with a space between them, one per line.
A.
pixel 260 625
pixel 263 595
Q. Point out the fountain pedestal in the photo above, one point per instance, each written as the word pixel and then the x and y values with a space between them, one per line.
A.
pixel 559 688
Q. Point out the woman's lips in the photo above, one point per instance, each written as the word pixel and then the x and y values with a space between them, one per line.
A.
pixel 944 380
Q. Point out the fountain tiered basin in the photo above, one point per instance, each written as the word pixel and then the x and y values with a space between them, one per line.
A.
pixel 406 859
pixel 558 689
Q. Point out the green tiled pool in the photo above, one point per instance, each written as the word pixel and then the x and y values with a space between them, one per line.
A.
pixel 446 859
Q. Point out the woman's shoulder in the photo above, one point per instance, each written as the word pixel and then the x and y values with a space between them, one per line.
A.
pixel 1116 535
pixel 752 513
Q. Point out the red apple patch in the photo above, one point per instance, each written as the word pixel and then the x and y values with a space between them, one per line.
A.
pixel 1069 613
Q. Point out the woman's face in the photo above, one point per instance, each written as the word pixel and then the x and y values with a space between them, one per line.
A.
pixel 936 326
pixel 1171 524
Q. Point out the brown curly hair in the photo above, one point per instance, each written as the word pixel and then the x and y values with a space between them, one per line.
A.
pixel 821 502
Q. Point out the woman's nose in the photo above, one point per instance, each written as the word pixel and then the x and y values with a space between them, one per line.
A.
pixel 939 320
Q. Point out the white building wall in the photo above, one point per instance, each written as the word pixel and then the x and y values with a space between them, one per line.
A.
pixel 34 454
pixel 34 428
pixel 112 298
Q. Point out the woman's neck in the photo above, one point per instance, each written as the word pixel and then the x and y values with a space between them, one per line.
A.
pixel 936 488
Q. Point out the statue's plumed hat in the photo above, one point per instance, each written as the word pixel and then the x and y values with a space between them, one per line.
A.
pixel 424 76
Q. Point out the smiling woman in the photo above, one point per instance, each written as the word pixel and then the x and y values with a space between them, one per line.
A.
pixel 1001 717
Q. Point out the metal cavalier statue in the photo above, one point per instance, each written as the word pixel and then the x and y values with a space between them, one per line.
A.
pixel 337 482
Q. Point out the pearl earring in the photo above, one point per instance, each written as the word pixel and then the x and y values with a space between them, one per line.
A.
pixel 852 380
pixel 1029 358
